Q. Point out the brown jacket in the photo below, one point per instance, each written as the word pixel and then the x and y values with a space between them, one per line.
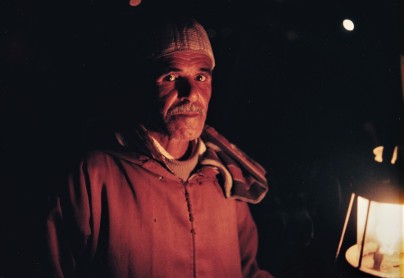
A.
pixel 126 215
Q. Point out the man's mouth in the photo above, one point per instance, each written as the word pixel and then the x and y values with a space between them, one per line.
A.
pixel 188 115
pixel 189 110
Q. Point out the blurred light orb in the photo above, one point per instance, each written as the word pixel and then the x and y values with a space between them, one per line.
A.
pixel 134 3
pixel 348 24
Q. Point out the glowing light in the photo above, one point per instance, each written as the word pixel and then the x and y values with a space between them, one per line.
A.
pixel 385 225
pixel 389 228
pixel 383 243
pixel 135 3
pixel 378 152
pixel 348 24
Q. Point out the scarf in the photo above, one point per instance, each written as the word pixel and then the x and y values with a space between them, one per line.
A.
pixel 242 178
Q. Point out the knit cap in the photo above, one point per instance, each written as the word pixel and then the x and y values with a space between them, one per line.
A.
pixel 177 35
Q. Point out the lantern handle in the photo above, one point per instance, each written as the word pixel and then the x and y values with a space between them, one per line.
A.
pixel 348 214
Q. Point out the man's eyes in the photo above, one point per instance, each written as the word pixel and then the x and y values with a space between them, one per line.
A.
pixel 201 78
pixel 171 77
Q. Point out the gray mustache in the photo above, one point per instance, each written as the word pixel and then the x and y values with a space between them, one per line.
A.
pixel 185 108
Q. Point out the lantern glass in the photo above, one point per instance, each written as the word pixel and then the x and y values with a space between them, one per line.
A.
pixel 379 249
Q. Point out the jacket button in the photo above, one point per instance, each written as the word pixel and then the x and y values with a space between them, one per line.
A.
pixel 161 178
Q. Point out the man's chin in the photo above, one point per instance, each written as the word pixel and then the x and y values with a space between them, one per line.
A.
pixel 185 130
pixel 187 135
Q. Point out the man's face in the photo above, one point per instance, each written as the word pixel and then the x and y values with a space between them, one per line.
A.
pixel 184 87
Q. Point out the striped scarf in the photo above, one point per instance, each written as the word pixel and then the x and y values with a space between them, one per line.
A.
pixel 243 178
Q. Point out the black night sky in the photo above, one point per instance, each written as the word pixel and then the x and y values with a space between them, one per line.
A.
pixel 292 88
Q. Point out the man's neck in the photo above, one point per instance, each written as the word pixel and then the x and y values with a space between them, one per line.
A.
pixel 177 148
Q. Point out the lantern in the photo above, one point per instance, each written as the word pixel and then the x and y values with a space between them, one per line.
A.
pixel 379 205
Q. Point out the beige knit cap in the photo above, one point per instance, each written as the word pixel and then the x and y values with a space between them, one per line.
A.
pixel 181 35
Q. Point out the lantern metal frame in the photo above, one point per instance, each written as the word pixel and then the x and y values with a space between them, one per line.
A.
pixel 381 187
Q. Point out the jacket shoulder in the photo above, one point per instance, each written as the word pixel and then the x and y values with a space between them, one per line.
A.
pixel 108 157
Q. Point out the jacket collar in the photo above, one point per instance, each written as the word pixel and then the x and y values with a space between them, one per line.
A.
pixel 243 178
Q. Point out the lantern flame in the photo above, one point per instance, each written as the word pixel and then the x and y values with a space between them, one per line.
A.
pixel 385 226
pixel 389 228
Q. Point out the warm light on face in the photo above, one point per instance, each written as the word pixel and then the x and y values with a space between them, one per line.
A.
pixel 348 25
pixel 184 88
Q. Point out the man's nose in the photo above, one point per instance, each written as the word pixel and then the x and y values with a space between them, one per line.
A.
pixel 187 89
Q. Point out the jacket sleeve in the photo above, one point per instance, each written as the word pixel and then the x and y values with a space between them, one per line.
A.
pixel 248 240
pixel 68 227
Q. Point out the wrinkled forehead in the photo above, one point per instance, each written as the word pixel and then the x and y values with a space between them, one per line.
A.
pixel 184 60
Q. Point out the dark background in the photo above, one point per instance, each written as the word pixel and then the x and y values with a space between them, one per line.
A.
pixel 293 89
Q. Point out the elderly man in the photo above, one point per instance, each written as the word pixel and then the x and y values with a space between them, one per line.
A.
pixel 171 199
